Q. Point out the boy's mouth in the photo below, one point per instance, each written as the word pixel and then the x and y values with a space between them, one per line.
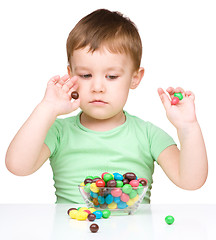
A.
pixel 98 101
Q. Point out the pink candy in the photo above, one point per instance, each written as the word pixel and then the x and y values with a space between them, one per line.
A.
pixel 125 197
pixel 116 192
pixel 134 184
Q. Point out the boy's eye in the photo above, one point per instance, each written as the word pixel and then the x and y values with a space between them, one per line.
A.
pixel 111 77
pixel 85 76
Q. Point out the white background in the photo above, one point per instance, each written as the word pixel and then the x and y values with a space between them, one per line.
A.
pixel 179 49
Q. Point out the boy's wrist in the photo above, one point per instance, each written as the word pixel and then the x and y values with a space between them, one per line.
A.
pixel 188 130
pixel 47 108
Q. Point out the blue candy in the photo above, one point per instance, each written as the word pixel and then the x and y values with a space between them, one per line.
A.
pixel 101 200
pixel 109 199
pixel 118 176
pixel 122 205
pixel 93 194
pixel 117 199
pixel 98 214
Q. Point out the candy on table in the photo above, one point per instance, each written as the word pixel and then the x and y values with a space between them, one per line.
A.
pixel 177 97
pixel 169 219
pixel 114 190
pixel 94 228
pixel 83 213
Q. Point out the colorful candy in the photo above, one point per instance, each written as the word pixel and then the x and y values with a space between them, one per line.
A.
pixel 114 191
pixel 169 219
pixel 177 97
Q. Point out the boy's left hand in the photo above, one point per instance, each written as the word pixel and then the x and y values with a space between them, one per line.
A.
pixel 181 115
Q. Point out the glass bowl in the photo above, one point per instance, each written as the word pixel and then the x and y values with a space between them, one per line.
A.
pixel 116 199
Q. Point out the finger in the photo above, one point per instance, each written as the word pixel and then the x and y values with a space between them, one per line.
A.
pixel 190 95
pixel 63 79
pixel 171 91
pixel 181 90
pixel 53 80
pixel 164 99
pixel 75 104
pixel 70 84
pixel 74 88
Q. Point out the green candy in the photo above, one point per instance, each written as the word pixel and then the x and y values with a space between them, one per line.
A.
pixel 127 188
pixel 106 213
pixel 107 177
pixel 133 193
pixel 169 219
pixel 140 189
pixel 178 95
pixel 87 188
pixel 119 183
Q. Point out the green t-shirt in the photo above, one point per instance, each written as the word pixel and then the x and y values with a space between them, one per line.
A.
pixel 77 152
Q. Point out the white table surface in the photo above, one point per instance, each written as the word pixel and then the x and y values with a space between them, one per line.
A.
pixel 50 221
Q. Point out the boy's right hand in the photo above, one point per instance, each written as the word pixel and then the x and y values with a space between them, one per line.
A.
pixel 58 94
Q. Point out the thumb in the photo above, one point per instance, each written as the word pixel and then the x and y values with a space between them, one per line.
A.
pixel 164 99
pixel 75 105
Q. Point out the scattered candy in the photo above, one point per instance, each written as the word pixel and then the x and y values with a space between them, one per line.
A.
pixel 169 219
pixel 91 217
pixel 94 228
pixel 75 95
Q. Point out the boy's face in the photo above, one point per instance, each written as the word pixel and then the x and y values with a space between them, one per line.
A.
pixel 104 81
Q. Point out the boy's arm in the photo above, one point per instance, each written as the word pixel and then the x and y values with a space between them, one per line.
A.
pixel 27 151
pixel 187 167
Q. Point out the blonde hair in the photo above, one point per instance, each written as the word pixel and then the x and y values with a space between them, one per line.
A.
pixel 108 29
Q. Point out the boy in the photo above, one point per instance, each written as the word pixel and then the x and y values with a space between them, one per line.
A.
pixel 104 53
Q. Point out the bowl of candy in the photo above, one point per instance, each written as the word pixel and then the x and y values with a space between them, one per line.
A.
pixel 116 192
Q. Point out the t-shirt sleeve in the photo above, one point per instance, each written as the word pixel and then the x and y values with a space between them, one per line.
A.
pixel 52 139
pixel 158 140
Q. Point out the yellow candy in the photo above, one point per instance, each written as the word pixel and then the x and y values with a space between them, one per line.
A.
pixel 136 198
pixel 82 184
pixel 130 202
pixel 94 188
pixel 82 209
pixel 112 205
pixel 81 216
pixel 92 210
pixel 73 214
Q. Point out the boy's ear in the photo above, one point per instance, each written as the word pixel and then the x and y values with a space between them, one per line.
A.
pixel 69 70
pixel 136 78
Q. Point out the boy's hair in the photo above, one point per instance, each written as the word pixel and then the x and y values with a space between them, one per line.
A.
pixel 103 28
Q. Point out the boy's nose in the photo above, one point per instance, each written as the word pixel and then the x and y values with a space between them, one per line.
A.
pixel 97 85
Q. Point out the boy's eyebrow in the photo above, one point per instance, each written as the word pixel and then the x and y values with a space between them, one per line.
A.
pixel 108 69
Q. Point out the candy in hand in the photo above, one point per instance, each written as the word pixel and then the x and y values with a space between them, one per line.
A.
pixel 75 95
pixel 177 97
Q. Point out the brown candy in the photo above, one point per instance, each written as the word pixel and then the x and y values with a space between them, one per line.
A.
pixel 111 183
pixel 95 201
pixel 91 217
pixel 143 182
pixel 95 179
pixel 125 181
pixel 94 228
pixel 75 95
pixel 130 176
pixel 88 180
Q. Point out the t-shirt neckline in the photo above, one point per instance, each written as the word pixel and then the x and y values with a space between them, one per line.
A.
pixel 102 132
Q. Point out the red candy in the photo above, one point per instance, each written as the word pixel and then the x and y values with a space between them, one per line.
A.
pixel 175 101
pixel 100 183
